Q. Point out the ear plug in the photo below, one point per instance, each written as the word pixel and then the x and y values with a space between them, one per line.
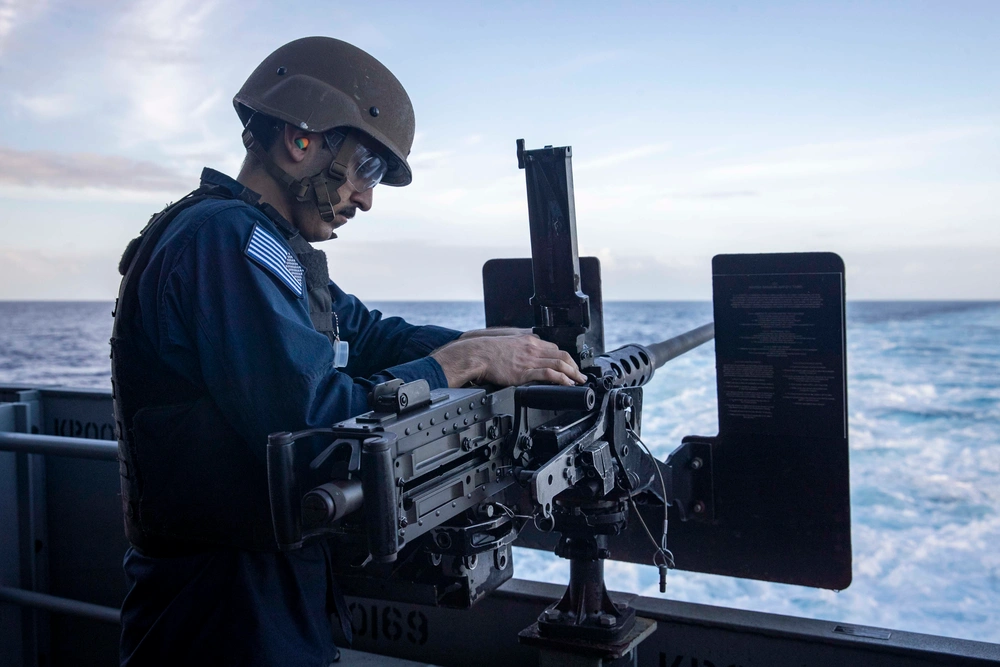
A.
pixel 302 142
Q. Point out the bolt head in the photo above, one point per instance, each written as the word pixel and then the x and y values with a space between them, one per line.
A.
pixel 607 621
pixel 551 615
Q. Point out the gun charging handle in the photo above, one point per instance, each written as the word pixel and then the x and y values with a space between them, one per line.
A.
pixel 554 397
pixel 379 489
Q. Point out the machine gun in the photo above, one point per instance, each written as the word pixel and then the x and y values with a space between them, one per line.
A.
pixel 425 494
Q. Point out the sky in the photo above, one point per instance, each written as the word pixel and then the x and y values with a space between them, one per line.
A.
pixel 869 129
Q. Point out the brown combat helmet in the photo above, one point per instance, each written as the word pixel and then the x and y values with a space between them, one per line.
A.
pixel 320 83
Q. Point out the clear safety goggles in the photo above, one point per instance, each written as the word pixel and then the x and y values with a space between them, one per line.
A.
pixel 365 169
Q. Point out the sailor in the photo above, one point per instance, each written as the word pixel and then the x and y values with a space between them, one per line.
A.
pixel 228 328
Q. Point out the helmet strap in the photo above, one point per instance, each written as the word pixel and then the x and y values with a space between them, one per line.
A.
pixel 322 188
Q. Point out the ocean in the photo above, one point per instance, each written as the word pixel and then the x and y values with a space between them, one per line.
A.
pixel 924 404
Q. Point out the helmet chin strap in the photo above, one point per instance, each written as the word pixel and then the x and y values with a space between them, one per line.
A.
pixel 321 188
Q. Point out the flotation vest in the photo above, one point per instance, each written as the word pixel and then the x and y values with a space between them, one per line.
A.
pixel 188 479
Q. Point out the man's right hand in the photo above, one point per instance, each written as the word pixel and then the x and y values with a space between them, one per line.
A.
pixel 506 361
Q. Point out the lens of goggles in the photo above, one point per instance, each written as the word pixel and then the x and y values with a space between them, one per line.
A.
pixel 365 170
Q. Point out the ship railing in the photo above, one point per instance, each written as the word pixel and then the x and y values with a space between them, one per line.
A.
pixel 55 445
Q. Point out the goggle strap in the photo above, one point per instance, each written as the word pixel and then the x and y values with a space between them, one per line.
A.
pixel 342 160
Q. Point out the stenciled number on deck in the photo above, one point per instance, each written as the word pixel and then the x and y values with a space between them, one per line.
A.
pixel 387 623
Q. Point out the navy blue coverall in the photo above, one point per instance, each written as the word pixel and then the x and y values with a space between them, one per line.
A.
pixel 235 326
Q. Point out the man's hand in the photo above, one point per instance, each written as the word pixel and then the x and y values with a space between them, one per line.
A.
pixel 505 360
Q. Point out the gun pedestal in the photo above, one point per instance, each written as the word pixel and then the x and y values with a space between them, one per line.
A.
pixel 585 627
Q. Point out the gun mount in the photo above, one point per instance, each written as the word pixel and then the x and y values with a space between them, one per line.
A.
pixel 425 495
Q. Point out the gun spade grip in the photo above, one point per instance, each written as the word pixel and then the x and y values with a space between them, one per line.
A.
pixel 283 491
pixel 379 490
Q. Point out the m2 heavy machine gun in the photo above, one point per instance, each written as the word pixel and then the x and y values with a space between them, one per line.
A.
pixel 425 495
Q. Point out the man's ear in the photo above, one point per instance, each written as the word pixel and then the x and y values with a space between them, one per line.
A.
pixel 296 143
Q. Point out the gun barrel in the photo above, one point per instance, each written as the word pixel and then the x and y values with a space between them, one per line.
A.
pixel 674 347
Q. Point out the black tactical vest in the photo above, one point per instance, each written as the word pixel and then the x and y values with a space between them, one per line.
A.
pixel 188 478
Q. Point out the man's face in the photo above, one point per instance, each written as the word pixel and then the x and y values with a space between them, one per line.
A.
pixel 314 229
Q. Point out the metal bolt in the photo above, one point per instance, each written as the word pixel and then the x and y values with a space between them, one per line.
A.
pixel 696 463
pixel 551 615
pixel 699 507
pixel 492 432
pixel 607 621
pixel 466 444
pixel 403 522
pixel 404 400
pixel 624 401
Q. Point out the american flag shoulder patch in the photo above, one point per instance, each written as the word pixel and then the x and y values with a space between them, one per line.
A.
pixel 273 256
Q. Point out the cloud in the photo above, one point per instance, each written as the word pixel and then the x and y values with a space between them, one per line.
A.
pixel 45 107
pixel 156 66
pixel 723 194
pixel 15 12
pixel 586 61
pixel 46 169
pixel 850 156
pixel 623 156
pixel 36 274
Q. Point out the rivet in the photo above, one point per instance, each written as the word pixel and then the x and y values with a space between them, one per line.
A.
pixel 282 70
pixel 406 431
pixel 374 112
